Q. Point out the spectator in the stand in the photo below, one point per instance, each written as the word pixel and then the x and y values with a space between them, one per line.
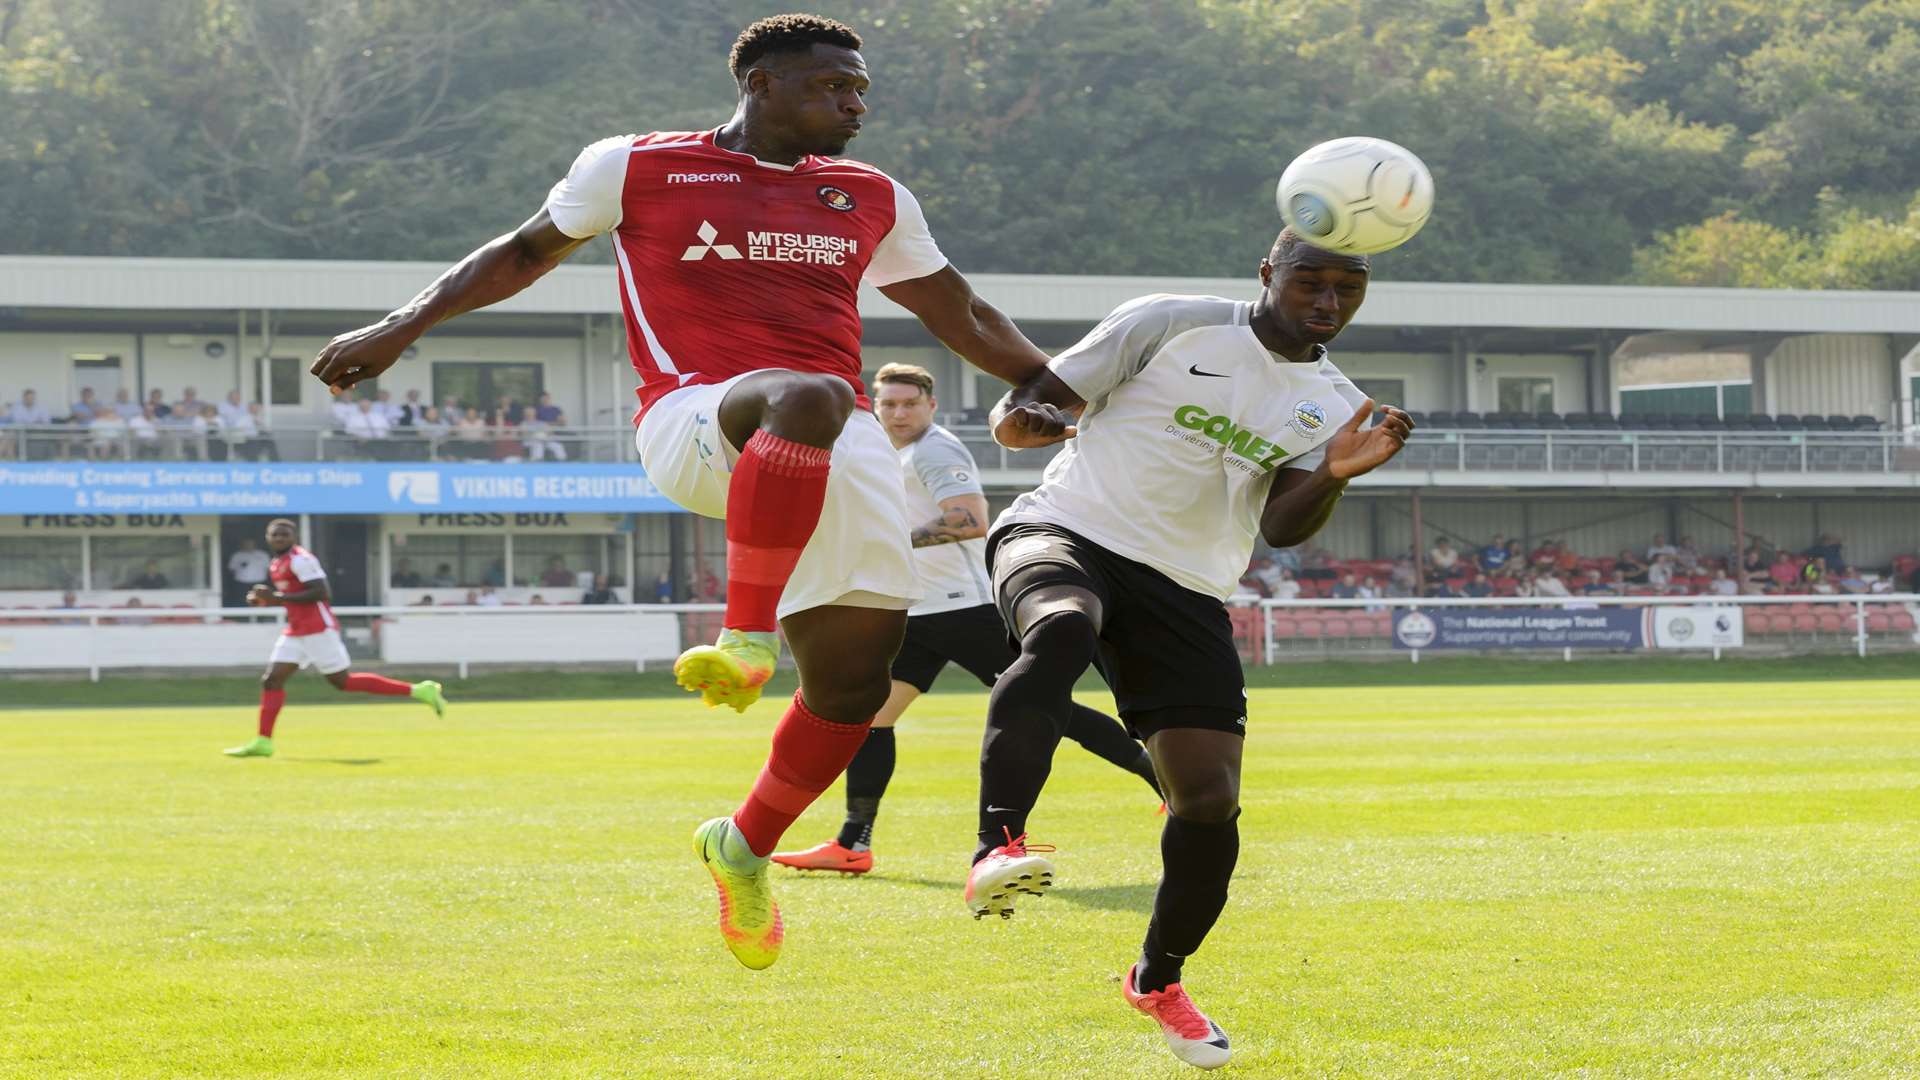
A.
pixel 1442 558
pixel 1849 580
pixel 145 430
pixel 1722 585
pixel 157 408
pixel 342 409
pixel 1287 559
pixel 108 436
pixel 1287 587
pixel 1441 589
pixel 248 566
pixel 150 577
pixel 410 412
pixel 1660 571
pixel 1479 586
pixel 406 577
pixel 429 423
pixel 443 577
pixel 1549 584
pixel 663 588
pixel 473 598
pixel 1516 562
pixel 1660 547
pixel 232 410
pixel 188 406
pixel 426 600
pixel 541 426
pixel 450 408
pixel 1544 557
pixel 29 411
pixel 556 576
pixel 1591 585
pixel 1370 590
pixel 1397 588
pixel 368 426
pixel 84 410
pixel 1753 568
pixel 124 405
pixel 1784 573
pixel 1402 575
pixel 1618 582
pixel 601 593
pixel 1566 563
pixel 1264 572
pixel 1828 550
pixel 496 575
pixel 1814 572
pixel 1631 565
pixel 1494 555
pixel 536 600
pixel 1315 563
pixel 384 405
pixel 69 600
pixel 470 436
pixel 1347 589
pixel 489 598
pixel 247 435
pixel 1686 558
pixel 205 442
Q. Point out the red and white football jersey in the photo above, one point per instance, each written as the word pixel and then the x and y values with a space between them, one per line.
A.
pixel 291 573
pixel 729 264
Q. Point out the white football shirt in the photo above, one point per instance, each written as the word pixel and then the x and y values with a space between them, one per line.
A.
pixel 1187 418
pixel 939 466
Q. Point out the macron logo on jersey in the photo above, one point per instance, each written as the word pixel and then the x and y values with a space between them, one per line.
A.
pixel 708 234
pixel 703 178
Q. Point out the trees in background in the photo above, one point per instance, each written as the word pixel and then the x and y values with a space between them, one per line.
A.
pixel 1748 142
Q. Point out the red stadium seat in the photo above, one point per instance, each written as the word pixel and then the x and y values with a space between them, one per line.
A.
pixel 1805 624
pixel 1879 622
pixel 1337 626
pixel 1308 627
pixel 1832 622
pixel 1901 621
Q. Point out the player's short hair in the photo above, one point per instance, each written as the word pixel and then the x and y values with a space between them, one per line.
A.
pixel 1290 246
pixel 277 522
pixel 787 34
pixel 905 375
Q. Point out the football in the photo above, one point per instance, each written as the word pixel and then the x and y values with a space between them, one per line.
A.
pixel 1357 195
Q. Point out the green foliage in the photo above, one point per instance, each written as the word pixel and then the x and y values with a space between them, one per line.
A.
pixel 1055 136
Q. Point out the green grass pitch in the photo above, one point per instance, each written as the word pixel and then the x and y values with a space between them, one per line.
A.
pixel 1668 880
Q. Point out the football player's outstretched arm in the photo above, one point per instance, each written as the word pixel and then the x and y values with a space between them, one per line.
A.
pixel 962 517
pixel 946 304
pixel 1302 500
pixel 497 270
pixel 1038 412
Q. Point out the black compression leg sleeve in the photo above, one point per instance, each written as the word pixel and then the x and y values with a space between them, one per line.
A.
pixel 1026 716
pixel 1196 861
pixel 1104 737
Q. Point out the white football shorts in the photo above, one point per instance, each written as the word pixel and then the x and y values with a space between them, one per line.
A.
pixel 324 652
pixel 860 555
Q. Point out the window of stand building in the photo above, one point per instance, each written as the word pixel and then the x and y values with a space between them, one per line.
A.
pixel 1526 394
pixel 40 562
pixel 148 562
pixel 557 562
pixel 653 560
pixel 449 560
pixel 1384 391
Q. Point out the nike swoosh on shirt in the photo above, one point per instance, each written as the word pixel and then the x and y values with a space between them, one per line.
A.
pixel 1195 370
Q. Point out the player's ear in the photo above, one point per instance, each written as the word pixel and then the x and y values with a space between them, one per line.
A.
pixel 1266 272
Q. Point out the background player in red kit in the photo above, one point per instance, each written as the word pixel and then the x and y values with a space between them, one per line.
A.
pixel 740 253
pixel 295 581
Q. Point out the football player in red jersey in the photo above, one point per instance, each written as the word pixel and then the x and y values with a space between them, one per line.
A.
pixel 740 252
pixel 296 581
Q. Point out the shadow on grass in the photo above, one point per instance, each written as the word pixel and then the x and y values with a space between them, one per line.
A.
pixel 1137 898
pixel 335 760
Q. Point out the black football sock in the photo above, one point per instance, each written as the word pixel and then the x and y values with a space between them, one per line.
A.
pixel 1026 716
pixel 1106 738
pixel 867 777
pixel 1196 861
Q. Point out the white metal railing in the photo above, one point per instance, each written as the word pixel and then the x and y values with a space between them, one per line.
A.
pixel 91 651
pixel 1543 450
pixel 1858 603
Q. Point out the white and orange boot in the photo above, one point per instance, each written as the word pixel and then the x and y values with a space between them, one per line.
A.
pixel 827 856
pixel 1192 1037
pixel 1006 872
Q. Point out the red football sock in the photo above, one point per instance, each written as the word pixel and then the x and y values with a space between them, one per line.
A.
pixel 773 505
pixel 376 684
pixel 809 754
pixel 270 702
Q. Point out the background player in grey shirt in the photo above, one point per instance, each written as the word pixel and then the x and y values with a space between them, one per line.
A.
pixel 956 622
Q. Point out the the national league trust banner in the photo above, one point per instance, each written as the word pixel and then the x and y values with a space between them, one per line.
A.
pixel 1493 628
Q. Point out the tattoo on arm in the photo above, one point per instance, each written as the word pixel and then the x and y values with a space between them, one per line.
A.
pixel 951 527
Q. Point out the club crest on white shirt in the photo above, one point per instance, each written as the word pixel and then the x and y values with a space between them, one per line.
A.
pixel 1308 418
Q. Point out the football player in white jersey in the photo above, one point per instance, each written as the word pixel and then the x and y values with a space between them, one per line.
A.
pixel 1203 423
pixel 955 623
